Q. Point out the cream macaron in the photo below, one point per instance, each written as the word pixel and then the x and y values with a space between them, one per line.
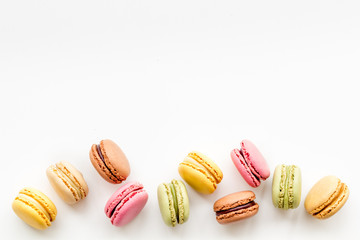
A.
pixel 67 181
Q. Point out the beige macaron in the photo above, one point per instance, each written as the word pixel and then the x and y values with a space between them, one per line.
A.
pixel 326 197
pixel 67 181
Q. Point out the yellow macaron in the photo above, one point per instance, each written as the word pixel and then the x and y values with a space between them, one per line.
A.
pixel 200 172
pixel 34 208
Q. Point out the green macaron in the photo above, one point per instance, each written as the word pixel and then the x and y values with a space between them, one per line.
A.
pixel 286 186
pixel 173 202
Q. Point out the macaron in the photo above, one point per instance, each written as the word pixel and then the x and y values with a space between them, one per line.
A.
pixel 250 163
pixel 67 181
pixel 109 161
pixel 200 172
pixel 235 206
pixel 326 197
pixel 126 203
pixel 34 208
pixel 173 202
pixel 286 186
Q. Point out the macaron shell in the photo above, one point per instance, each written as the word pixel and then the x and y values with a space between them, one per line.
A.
pixel 233 200
pixel 182 200
pixel 238 215
pixel 166 204
pixel 208 164
pixel 46 203
pixel 129 208
pixel 30 214
pixel 75 175
pixel 255 160
pixel 322 193
pixel 62 186
pixel 277 191
pixel 336 205
pixel 119 195
pixel 297 182
pixel 243 168
pixel 197 178
pixel 100 166
pixel 115 159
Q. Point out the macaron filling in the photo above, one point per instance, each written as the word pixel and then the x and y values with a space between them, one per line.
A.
pixel 99 152
pixel 98 149
pixel 237 208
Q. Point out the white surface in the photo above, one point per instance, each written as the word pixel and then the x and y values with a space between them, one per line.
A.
pixel 162 78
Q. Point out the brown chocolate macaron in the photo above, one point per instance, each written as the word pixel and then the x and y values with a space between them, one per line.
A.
pixel 235 206
pixel 109 161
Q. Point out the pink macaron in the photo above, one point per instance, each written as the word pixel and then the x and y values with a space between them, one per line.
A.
pixel 126 203
pixel 250 163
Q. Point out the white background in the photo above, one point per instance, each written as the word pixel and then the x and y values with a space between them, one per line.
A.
pixel 163 78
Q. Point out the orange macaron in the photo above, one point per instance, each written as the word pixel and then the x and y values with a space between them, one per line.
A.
pixel 110 161
pixel 235 206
